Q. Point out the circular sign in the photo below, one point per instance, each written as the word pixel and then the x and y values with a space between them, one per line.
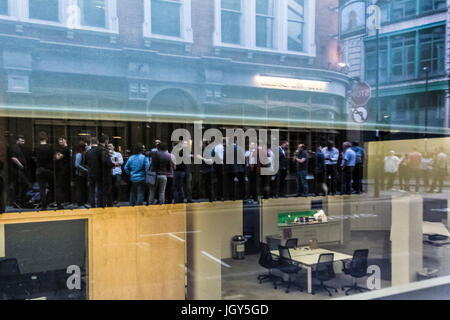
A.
pixel 361 93
pixel 360 114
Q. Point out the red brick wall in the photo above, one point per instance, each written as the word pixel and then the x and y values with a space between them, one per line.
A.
pixel 131 20
pixel 203 26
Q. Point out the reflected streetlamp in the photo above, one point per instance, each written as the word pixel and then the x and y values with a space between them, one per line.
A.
pixel 344 67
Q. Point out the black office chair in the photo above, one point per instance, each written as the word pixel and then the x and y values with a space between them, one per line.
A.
pixel 12 284
pixel 287 266
pixel 291 243
pixel 268 261
pixel 357 269
pixel 324 272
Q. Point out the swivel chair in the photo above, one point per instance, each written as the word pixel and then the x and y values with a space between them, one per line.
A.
pixel 324 272
pixel 357 269
pixel 268 261
pixel 287 266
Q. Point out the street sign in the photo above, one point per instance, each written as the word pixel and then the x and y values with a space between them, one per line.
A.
pixel 360 114
pixel 361 93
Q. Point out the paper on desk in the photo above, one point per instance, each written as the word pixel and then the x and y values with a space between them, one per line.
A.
pixel 435 228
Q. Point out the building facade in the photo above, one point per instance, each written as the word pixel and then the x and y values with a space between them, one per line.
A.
pixel 221 62
pixel 413 67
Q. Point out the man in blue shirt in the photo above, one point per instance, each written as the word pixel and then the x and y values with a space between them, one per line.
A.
pixel 348 165
pixel 137 167
pixel 358 172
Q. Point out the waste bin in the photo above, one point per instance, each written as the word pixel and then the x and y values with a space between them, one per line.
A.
pixel 238 247
pixel 426 274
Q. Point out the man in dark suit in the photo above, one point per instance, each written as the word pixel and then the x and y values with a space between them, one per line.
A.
pixel 99 173
pixel 319 172
pixel 234 170
pixel 282 171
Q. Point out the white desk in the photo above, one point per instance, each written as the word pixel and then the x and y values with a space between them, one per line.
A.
pixel 308 258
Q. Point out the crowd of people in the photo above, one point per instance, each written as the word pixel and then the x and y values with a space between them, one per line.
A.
pixel 94 173
pixel 428 170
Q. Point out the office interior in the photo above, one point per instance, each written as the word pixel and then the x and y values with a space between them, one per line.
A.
pixel 403 237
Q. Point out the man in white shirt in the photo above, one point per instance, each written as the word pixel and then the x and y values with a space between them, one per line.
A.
pixel 331 159
pixel 219 151
pixel 391 164
pixel 251 161
pixel 117 160
pixel 440 170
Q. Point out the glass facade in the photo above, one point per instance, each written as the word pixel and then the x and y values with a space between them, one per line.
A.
pixel 407 54
pixel 394 11
pixel 223 149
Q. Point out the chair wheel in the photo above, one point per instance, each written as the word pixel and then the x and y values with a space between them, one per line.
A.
pixel 335 290
pixel 330 295
pixel 346 293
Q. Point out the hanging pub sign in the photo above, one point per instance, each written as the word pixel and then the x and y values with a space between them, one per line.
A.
pixel 352 18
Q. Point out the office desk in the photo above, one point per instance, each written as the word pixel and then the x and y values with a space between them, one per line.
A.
pixel 308 258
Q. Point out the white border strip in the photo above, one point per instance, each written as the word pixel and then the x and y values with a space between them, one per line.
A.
pixel 2 241
pixel 410 287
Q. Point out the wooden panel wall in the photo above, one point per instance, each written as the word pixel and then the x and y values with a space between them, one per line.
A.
pixel 210 227
pixel 134 253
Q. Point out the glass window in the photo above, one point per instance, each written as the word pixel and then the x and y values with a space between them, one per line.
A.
pixel 384 6
pixel 93 13
pixel 231 21
pixel 371 63
pixel 401 107
pixel 166 17
pixel 432 50
pixel 265 18
pixel 296 23
pixel 431 5
pixel 4 7
pixel 402 9
pixel 44 10
pixel 403 56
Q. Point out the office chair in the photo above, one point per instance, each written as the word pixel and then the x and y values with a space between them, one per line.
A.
pixel 324 272
pixel 268 261
pixel 291 243
pixel 357 269
pixel 12 285
pixel 287 266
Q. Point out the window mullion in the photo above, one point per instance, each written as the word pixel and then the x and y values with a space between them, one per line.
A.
pixel 417 57
pixel 389 60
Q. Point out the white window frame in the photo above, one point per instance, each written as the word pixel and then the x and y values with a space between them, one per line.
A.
pixel 301 21
pixel 111 20
pixel 69 15
pixel 280 36
pixel 186 34
pixel 26 14
pixel 12 11
pixel 275 23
